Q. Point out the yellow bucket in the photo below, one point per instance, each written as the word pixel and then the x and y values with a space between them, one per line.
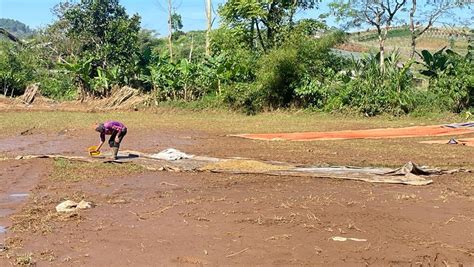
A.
pixel 93 151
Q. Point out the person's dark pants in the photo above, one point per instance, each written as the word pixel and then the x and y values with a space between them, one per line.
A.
pixel 120 136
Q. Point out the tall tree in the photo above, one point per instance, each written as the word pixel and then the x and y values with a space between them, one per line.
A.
pixel 267 17
pixel 105 34
pixel 433 10
pixel 209 26
pixel 380 14
pixel 170 28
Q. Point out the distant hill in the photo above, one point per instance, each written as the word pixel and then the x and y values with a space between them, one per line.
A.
pixel 16 27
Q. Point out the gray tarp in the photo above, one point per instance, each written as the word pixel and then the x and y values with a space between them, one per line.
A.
pixel 409 174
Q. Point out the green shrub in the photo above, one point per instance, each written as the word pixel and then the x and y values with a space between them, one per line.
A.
pixel 299 72
pixel 244 96
pixel 455 88
pixel 57 85
pixel 451 79
pixel 373 91
pixel 363 86
pixel 278 72
pixel 17 69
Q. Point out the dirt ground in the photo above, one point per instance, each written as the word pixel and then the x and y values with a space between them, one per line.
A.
pixel 158 218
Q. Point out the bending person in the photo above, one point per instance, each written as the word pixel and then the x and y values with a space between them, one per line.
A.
pixel 116 130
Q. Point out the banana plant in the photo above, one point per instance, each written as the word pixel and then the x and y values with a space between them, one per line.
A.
pixel 435 63
pixel 81 69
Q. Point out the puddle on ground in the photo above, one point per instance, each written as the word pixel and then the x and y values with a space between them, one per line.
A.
pixel 3 230
pixel 18 196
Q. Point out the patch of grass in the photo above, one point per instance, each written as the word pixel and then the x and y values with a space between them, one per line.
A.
pixel 36 217
pixel 74 171
pixel 211 121
pixel 25 260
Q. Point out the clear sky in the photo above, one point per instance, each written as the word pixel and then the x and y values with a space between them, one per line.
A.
pixel 37 13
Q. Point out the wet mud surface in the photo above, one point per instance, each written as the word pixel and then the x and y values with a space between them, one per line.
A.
pixel 195 219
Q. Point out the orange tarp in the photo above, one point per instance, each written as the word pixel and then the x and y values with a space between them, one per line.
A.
pixel 416 131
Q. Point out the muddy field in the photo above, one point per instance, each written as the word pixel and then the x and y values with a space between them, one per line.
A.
pixel 164 218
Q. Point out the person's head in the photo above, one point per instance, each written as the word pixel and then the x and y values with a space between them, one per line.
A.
pixel 99 127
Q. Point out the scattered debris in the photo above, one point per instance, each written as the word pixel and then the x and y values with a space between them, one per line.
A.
pixel 30 93
pixel 278 237
pixel 237 253
pixel 28 131
pixel 412 168
pixel 342 239
pixel 318 250
pixel 170 184
pixel 452 141
pixel 123 97
pixel 70 206
pixel 169 169
pixel 171 154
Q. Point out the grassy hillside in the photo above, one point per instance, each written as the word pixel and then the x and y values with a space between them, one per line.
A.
pixel 400 39
pixel 16 27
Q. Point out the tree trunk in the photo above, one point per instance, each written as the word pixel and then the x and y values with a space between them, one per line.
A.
pixel 209 27
pixel 260 36
pixel 381 48
pixel 170 26
pixel 382 53
pixel 191 49
pixel 253 38
pixel 412 29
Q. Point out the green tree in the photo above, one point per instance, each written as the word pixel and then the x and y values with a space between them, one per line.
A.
pixel 176 21
pixel 380 14
pixel 105 33
pixel 176 25
pixel 265 20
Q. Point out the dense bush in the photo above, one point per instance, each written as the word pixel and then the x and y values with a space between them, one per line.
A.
pixel 374 90
pixel 17 69
pixel 252 64
pixel 56 85
pixel 455 86
pixel 277 76
pixel 245 97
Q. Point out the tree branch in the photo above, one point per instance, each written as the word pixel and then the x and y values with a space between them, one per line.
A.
pixel 10 36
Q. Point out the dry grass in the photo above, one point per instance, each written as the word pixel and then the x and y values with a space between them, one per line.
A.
pixel 42 122
pixel 74 171
pixel 25 260
pixel 39 216
pixel 244 166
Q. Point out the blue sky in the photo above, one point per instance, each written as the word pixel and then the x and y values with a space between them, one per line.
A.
pixel 37 13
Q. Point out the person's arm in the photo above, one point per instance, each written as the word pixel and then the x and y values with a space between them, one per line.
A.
pixel 100 146
pixel 102 141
